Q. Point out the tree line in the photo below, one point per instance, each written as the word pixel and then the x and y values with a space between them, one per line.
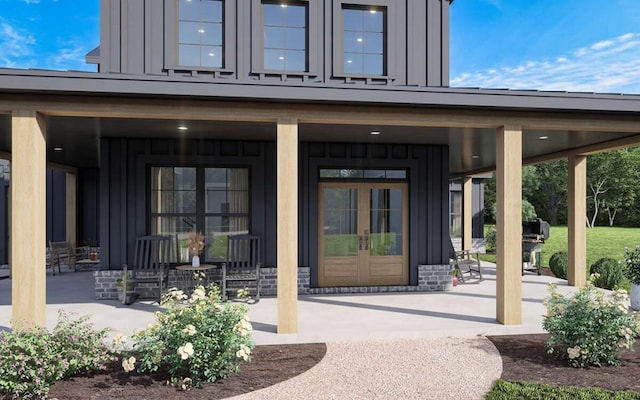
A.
pixel 613 190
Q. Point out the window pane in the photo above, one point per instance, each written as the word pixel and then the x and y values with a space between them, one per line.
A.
pixel 373 64
pixel 211 11
pixel 373 21
pixel 273 15
pixel 189 10
pixel 373 43
pixel 212 34
pixel 353 63
pixel 296 60
pixel 274 59
pixel 374 173
pixel 185 178
pixel 296 39
pixel 296 16
pixel 396 174
pixel 179 228
pixel 340 225
pixel 189 55
pixel 353 42
pixel 189 32
pixel 274 37
pixel 211 56
pixel 352 20
pixel 217 229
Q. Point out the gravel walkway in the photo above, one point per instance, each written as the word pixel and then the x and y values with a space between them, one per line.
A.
pixel 428 368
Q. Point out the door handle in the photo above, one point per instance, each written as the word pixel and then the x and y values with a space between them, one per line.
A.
pixel 360 242
pixel 366 240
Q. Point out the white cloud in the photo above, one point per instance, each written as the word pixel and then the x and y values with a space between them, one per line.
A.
pixel 610 65
pixel 16 47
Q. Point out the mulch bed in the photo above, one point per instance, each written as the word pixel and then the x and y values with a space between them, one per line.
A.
pixel 269 365
pixel 525 358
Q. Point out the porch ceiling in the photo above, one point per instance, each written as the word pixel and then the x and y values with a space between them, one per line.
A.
pixel 79 137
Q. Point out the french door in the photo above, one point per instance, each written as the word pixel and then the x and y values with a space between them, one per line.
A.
pixel 363 234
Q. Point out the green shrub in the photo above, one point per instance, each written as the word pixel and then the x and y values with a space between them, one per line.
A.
pixel 31 360
pixel 508 390
pixel 609 273
pixel 490 240
pixel 558 264
pixel 198 338
pixel 632 261
pixel 589 327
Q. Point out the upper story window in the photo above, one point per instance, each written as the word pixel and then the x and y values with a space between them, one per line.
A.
pixel 364 41
pixel 285 36
pixel 200 33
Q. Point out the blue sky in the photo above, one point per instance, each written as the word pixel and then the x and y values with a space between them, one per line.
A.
pixel 572 45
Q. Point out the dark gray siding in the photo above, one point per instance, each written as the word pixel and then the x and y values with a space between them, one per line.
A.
pixel 88 205
pixel 428 173
pixel 4 220
pixel 124 186
pixel 56 205
pixel 138 37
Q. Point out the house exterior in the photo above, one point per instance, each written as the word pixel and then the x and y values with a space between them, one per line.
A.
pixel 326 127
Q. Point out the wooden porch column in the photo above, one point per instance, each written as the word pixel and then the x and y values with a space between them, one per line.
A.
pixel 287 217
pixel 509 225
pixel 72 207
pixel 467 213
pixel 28 217
pixel 577 203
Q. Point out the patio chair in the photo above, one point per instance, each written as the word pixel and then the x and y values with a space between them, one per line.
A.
pixel 150 265
pixel 242 264
pixel 465 263
pixel 61 253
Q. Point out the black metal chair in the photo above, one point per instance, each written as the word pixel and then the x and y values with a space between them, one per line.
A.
pixel 150 265
pixel 465 263
pixel 242 264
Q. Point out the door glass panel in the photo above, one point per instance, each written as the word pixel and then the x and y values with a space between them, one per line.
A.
pixel 386 222
pixel 340 225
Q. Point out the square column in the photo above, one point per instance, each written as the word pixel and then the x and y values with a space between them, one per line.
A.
pixel 509 225
pixel 28 217
pixel 577 204
pixel 287 217
pixel 467 213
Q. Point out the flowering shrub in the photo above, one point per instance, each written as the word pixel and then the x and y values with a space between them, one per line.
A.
pixel 31 360
pixel 590 327
pixel 197 337
pixel 632 260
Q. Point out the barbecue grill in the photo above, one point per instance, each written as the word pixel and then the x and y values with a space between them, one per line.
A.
pixel 534 233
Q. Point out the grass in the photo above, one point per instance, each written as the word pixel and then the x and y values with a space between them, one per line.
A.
pixel 602 241
pixel 503 390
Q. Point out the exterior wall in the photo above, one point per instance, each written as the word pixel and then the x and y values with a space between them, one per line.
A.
pixel 4 220
pixel 477 207
pixel 124 187
pixel 56 205
pixel 88 205
pixel 428 171
pixel 137 37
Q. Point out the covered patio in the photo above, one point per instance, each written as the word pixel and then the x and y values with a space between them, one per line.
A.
pixel 483 130
pixel 467 310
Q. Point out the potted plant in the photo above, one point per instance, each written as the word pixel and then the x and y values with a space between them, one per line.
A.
pixel 454 274
pixel 632 260
pixel 196 245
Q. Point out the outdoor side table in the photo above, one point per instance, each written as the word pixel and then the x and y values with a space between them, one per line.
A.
pixel 201 268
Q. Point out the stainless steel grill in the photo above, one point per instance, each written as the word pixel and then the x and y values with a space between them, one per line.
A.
pixel 534 233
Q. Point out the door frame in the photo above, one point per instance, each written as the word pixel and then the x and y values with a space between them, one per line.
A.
pixel 364 258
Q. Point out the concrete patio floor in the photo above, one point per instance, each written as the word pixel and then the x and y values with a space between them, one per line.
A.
pixel 467 310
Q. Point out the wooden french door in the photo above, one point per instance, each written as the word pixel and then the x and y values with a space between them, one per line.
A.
pixel 363 234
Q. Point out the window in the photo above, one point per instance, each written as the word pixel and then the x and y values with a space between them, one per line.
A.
pixel 455 214
pixel 363 173
pixel 285 37
pixel 364 41
pixel 200 33
pixel 218 207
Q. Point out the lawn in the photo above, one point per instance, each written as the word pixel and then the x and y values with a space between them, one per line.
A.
pixel 602 241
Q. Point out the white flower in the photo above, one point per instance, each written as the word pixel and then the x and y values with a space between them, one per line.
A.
pixel 244 352
pixel 128 364
pixel 244 327
pixel 198 294
pixel 574 352
pixel 189 330
pixel 119 339
pixel 185 351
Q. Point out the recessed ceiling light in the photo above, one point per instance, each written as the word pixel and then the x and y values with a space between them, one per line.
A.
pixel 58 149
pixel 543 137
pixel 359 39
pixel 375 132
pixel 475 157
pixel 281 58
pixel 349 61
pixel 182 128
pixel 372 11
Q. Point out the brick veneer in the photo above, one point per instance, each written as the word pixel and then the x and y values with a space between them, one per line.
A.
pixel 430 278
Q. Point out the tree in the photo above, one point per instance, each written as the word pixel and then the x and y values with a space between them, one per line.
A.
pixel 612 182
